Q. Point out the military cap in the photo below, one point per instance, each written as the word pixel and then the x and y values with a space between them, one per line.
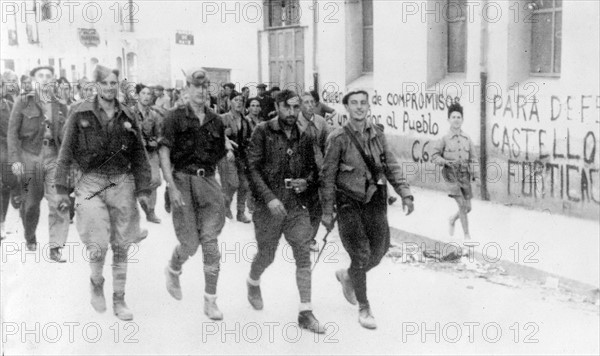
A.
pixel 261 85
pixel 159 87
pixel 101 72
pixel 34 70
pixel 196 76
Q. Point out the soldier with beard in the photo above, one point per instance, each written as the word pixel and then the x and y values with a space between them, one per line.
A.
pixel 282 172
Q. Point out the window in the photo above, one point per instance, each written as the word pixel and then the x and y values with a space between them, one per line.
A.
pixel 13 39
pixel 456 15
pixel 282 13
pixel 45 9
pixel 120 65
pixel 546 30
pixel 8 64
pixel 367 13
pixel 131 67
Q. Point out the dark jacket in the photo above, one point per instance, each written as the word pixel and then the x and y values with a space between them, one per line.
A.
pixel 240 137
pixel 96 148
pixel 345 170
pixel 273 157
pixel 26 126
pixel 151 127
pixel 5 110
pixel 193 146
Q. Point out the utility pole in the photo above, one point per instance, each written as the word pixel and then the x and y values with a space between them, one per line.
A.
pixel 483 73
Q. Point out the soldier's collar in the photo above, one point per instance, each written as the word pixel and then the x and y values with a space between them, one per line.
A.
pixel 189 112
pixel 454 134
pixel 275 125
pixel 369 128
pixel 94 105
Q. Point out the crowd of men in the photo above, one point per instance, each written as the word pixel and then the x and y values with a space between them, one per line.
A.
pixel 99 153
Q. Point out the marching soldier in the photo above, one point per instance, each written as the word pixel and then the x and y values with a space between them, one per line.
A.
pixel 357 163
pixel 34 138
pixel 233 173
pixel 104 139
pixel 149 120
pixel 282 172
pixel 317 128
pixel 10 88
pixel 192 143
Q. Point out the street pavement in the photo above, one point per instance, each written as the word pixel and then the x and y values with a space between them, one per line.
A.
pixel 419 310
pixel 564 246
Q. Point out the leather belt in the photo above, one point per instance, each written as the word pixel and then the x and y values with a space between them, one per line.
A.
pixel 199 172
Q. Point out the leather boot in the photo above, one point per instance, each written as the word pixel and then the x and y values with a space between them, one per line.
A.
pixel 98 301
pixel 151 217
pixel 307 320
pixel 255 296
pixel 173 286
pixel 343 277
pixel 210 307
pixel 120 307
pixel 56 255
pixel 365 317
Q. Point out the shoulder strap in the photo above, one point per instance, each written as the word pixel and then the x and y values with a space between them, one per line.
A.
pixel 368 159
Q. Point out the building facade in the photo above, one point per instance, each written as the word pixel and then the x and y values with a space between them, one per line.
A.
pixel 70 36
pixel 148 41
pixel 526 73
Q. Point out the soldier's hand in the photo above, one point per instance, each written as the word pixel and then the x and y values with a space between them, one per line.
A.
pixel 276 207
pixel 144 201
pixel 299 185
pixel 63 202
pixel 176 198
pixel 408 205
pixel 327 221
pixel 18 169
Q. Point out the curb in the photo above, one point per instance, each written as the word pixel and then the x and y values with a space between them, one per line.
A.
pixel 525 272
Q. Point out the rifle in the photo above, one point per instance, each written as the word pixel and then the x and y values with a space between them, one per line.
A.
pixel 324 243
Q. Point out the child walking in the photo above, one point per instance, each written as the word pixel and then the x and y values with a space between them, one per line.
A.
pixel 455 152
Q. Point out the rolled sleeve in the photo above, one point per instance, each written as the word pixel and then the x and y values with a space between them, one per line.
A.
pixel 167 133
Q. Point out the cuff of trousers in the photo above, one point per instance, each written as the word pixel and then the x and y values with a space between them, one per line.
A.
pixel 253 282
pixel 305 307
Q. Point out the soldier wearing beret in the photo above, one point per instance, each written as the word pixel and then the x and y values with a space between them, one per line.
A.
pixel 103 138
pixel 34 138
pixel 192 143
